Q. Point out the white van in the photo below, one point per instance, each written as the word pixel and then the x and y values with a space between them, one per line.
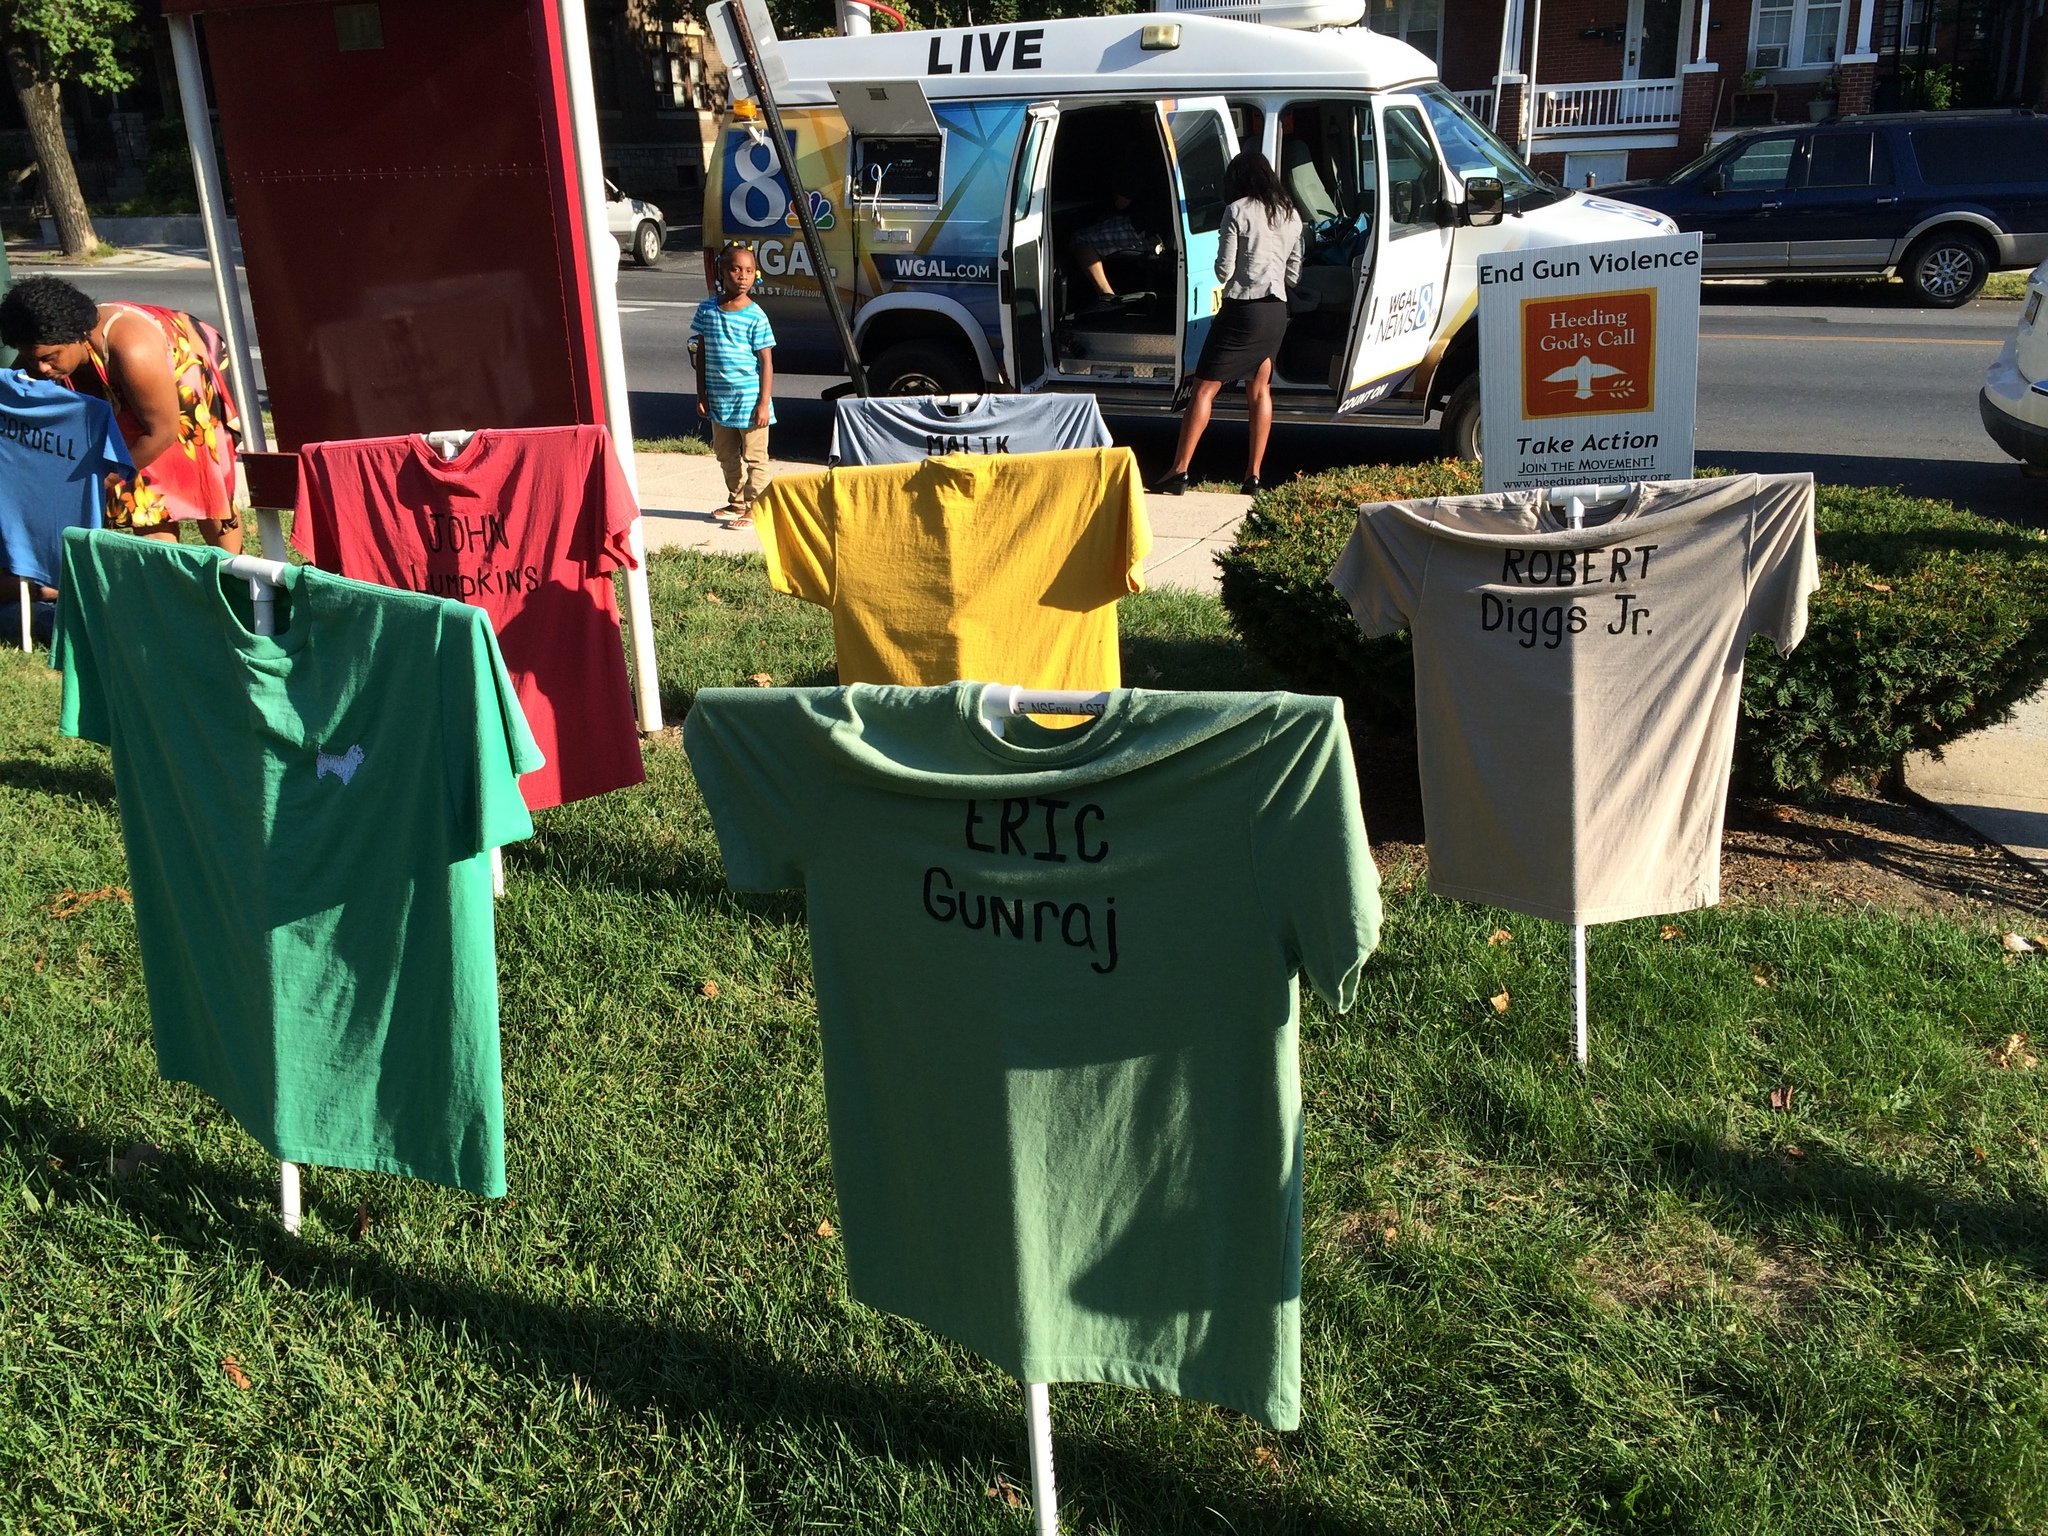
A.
pixel 950 170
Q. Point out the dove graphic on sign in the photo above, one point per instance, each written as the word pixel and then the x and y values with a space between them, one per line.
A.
pixel 1583 373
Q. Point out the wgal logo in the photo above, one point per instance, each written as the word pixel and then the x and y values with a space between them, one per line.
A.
pixel 756 196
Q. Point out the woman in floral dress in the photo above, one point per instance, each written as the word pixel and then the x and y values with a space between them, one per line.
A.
pixel 162 372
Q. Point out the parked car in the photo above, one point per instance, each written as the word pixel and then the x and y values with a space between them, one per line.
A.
pixel 2014 400
pixel 1942 199
pixel 636 224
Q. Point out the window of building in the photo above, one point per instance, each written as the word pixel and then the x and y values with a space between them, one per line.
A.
pixel 1902 25
pixel 678 70
pixel 1418 23
pixel 1797 34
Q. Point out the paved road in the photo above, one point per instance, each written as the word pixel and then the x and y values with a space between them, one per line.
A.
pixel 1867 393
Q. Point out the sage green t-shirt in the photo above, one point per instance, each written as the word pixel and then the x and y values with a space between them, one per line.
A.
pixel 308 821
pixel 1057 995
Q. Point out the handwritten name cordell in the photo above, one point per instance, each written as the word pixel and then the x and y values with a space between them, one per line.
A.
pixel 1046 831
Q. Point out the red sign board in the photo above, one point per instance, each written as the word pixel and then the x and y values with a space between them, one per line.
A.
pixel 1589 354
pixel 411 218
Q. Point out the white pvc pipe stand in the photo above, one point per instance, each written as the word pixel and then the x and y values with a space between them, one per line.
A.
pixel 602 251
pixel 1045 1504
pixel 264 578
pixel 28 638
pixel 220 250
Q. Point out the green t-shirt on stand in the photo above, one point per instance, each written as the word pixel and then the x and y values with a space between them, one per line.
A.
pixel 1057 996
pixel 308 819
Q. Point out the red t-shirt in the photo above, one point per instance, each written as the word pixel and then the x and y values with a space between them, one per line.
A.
pixel 527 525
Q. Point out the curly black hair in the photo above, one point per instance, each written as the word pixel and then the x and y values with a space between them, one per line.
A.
pixel 45 312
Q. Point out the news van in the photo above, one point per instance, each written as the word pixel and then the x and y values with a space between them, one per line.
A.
pixel 949 172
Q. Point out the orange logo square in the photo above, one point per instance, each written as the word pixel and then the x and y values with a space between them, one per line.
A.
pixel 1589 354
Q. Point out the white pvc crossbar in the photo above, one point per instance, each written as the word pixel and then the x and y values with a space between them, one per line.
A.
pixel 1003 701
pixel 1573 499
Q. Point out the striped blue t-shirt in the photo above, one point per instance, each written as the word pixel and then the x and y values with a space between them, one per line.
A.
pixel 732 373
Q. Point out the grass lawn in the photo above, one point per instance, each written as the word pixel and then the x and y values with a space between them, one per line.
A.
pixel 1651 1303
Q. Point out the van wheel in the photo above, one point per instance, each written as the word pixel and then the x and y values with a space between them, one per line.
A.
pixel 1946 268
pixel 647 244
pixel 1459 429
pixel 920 367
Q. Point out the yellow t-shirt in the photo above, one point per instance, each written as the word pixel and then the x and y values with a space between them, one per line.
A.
pixel 993 568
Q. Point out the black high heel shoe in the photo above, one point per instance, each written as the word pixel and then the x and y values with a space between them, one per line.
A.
pixel 1249 486
pixel 1170 485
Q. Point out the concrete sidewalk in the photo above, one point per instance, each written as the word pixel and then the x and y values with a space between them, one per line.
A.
pixel 1995 781
pixel 680 491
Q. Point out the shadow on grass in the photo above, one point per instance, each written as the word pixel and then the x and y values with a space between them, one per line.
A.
pixel 1763 1187
pixel 635 1364
pixel 1193 663
pixel 89 782
pixel 678 695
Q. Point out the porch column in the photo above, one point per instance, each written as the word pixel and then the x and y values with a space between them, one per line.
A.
pixel 1700 52
pixel 1699 99
pixel 1856 73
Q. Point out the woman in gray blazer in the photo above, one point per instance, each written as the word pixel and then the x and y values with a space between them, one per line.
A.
pixel 1258 258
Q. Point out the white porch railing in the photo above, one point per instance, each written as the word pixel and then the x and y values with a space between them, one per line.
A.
pixel 1607 104
pixel 1478 103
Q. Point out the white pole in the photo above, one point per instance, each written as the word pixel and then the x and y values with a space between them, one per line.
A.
pixel 1579 1039
pixel 220 250
pixel 1529 87
pixel 1045 1505
pixel 1575 515
pixel 28 639
pixel 854 20
pixel 288 1196
pixel 611 347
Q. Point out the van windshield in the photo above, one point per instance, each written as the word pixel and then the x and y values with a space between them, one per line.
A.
pixel 1473 151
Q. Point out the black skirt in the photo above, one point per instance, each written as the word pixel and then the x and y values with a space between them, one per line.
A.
pixel 1244 334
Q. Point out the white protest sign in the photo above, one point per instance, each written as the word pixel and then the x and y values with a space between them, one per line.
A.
pixel 1589 362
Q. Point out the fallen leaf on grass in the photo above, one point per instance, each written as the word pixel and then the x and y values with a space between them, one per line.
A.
pixel 1878 586
pixel 1669 932
pixel 1002 1488
pixel 824 1229
pixel 1792 1153
pixel 2013 1055
pixel 713 597
pixel 761 679
pixel 70 903
pixel 1762 978
pixel 1781 1098
pixel 1266 1459
pixel 129 1163
pixel 709 989
pixel 1498 936
pixel 1978 1154
pixel 235 1373
pixel 1499 1001
pixel 2017 944
pixel 361 1229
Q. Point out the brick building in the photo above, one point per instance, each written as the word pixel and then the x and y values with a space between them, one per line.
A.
pixel 1602 90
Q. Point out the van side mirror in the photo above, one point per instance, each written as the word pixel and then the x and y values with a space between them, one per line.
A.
pixel 1485 201
pixel 1715 182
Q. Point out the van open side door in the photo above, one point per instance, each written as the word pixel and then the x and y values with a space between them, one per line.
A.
pixel 1203 142
pixel 1401 298
pixel 1025 269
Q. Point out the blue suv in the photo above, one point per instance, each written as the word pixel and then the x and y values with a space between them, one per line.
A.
pixel 1942 199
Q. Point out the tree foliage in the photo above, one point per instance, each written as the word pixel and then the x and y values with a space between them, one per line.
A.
pixel 71 39
pixel 810 18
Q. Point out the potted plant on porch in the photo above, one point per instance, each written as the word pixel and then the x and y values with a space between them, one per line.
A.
pixel 1822 103
pixel 1752 102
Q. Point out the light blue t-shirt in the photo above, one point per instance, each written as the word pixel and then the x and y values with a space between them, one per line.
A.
pixel 55 445
pixel 732 373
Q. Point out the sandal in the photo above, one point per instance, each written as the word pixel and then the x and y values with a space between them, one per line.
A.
pixel 744 520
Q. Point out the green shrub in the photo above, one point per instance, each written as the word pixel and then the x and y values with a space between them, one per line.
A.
pixel 1929 623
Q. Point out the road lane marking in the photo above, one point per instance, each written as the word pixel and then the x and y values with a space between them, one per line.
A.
pixel 1868 341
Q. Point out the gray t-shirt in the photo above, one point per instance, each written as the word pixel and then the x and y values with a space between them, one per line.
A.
pixel 901 429
pixel 1576 690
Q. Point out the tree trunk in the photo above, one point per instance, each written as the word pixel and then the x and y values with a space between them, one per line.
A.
pixel 44 113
